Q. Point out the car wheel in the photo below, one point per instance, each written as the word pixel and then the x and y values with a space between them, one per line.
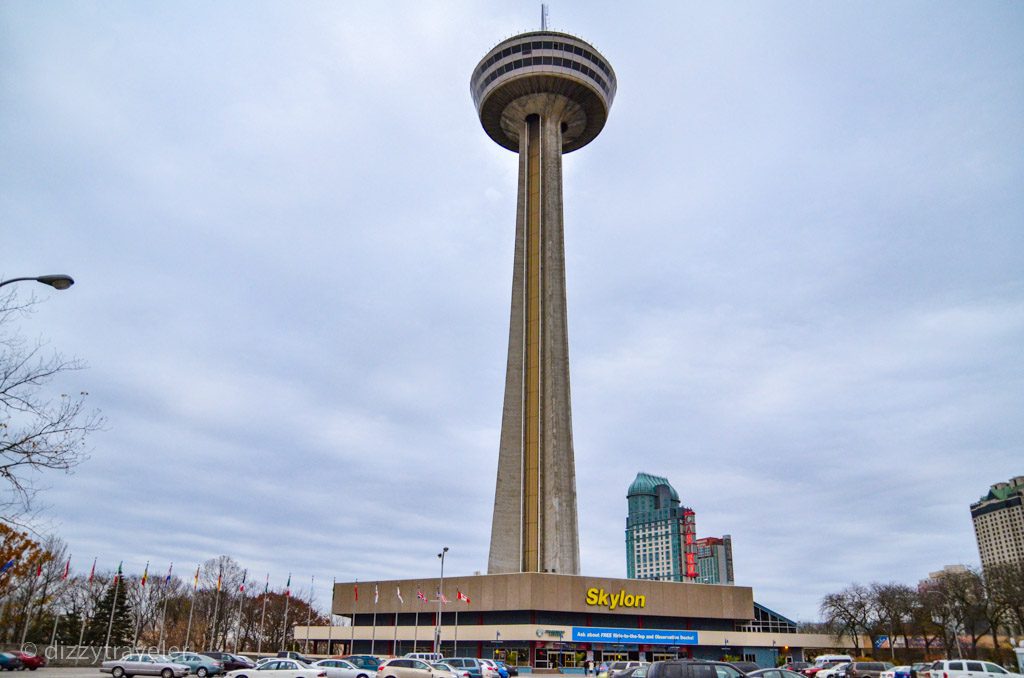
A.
pixel 202 672
pixel 167 673
pixel 117 672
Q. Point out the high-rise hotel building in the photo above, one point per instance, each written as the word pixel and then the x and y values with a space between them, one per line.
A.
pixel 660 532
pixel 714 560
pixel 999 523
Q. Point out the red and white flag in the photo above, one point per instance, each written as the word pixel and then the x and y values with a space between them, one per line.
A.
pixel 67 569
pixel 376 594
pixel 39 569
pixel 355 591
pixel 459 595
pixel 444 600
pixel 398 592
pixel 419 594
pixel 92 572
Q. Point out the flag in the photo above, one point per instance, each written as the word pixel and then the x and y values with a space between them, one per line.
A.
pixel 459 595
pixel 355 591
pixel 241 587
pixel 419 594
pixel 444 600
pixel 288 586
pixel 266 587
pixel 8 565
pixel 39 569
pixel 92 572
pixel 376 594
pixel 195 580
pixel 117 575
pixel 218 582
pixel 145 575
pixel 67 568
pixel 167 579
pixel 398 592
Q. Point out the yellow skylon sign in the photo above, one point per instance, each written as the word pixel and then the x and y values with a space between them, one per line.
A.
pixel 613 600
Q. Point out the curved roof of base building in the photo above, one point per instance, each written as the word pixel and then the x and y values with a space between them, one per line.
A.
pixel 646 483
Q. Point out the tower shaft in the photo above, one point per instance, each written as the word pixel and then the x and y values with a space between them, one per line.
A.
pixel 534 526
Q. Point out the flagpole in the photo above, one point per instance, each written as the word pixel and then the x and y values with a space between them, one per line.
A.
pixel 216 607
pixel 373 624
pixel 191 607
pixel 110 625
pixel 287 597
pixel 28 604
pixel 85 617
pixel 263 616
pixel 455 647
pixel 163 616
pixel 309 615
pixel 138 621
pixel 355 597
pixel 241 600
pixel 330 617
pixel 416 630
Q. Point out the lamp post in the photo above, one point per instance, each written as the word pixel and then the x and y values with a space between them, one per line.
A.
pixel 440 597
pixel 58 281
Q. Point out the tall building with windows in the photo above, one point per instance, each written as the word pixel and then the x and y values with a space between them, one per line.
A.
pixel 660 532
pixel 999 523
pixel 714 560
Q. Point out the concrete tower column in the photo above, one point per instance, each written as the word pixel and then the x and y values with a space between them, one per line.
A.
pixel 539 105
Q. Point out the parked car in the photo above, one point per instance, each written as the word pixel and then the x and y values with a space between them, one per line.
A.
pixel 610 669
pixel 145 665
pixel 445 671
pixel 280 668
pixel 407 668
pixel 30 661
pixel 341 668
pixel 866 669
pixel 10 662
pixel 296 656
pixel 966 668
pixel 231 662
pixel 818 667
pixel 634 672
pixel 837 670
pixel 502 671
pixel 920 668
pixel 693 668
pixel 199 664
pixel 425 656
pixel 774 673
pixel 796 666
pixel 746 667
pixel 363 661
pixel 470 665
pixel 512 671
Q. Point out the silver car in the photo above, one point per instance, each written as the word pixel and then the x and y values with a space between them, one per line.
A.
pixel 340 668
pixel 144 665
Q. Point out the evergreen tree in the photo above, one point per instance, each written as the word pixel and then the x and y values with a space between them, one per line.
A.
pixel 123 629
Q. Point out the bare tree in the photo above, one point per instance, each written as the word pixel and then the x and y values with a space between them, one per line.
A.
pixel 39 431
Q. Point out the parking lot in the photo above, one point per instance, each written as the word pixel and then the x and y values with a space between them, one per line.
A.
pixel 64 672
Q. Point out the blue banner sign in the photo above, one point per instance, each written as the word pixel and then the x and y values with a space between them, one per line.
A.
pixel 593 634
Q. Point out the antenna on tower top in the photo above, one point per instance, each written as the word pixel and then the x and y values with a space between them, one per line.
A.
pixel 543 17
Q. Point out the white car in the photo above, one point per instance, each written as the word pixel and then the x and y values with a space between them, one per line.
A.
pixel 488 669
pixel 967 668
pixel 341 668
pixel 280 668
pixel 831 671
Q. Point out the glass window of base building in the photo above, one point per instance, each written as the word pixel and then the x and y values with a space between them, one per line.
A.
pixel 559 658
pixel 512 655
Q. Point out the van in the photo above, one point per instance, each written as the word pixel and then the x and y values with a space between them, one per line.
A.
pixel 425 656
pixel 967 668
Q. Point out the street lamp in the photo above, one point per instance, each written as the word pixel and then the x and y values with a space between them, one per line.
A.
pixel 440 597
pixel 58 281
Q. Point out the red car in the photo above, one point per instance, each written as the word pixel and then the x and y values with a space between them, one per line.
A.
pixel 30 661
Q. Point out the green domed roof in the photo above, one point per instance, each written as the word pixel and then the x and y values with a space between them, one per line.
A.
pixel 645 483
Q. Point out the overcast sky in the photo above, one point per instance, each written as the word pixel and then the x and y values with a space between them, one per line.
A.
pixel 795 271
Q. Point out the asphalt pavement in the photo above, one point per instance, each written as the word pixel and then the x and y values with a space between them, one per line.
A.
pixel 62 672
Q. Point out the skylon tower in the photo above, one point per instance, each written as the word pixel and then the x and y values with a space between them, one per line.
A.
pixel 540 94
